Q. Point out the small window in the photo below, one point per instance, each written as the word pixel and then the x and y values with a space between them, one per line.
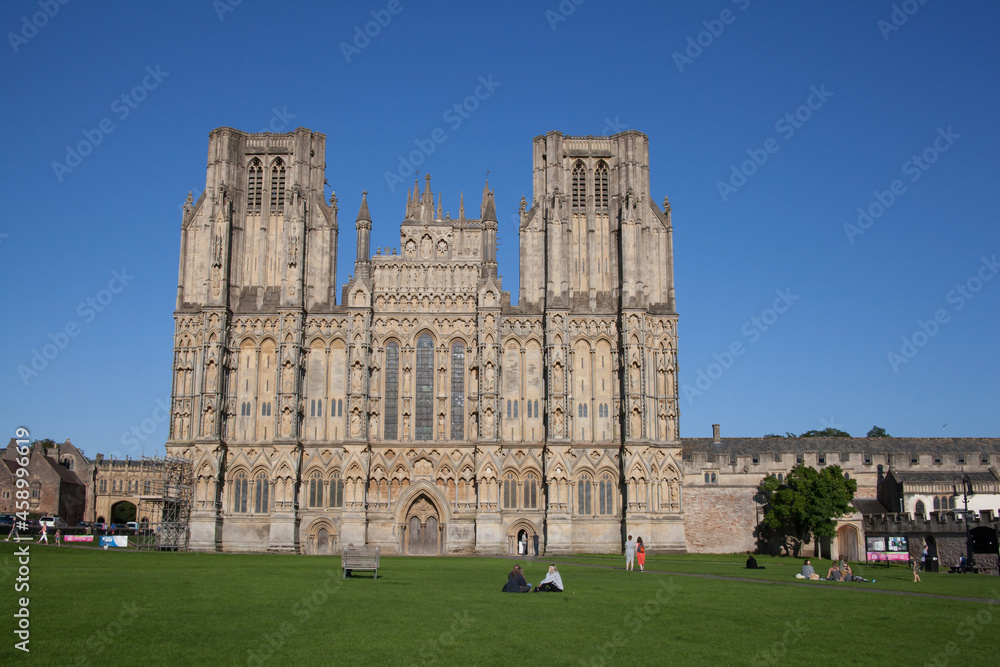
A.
pixel 508 410
pixel 515 409
pixel 781 477
pixel 777 457
pixel 798 458
pixel 868 459
pixel 985 459
pixel 920 509
pixel 756 459
pixel 821 459
pixel 937 459
pixel 715 480
pixel 847 475
pixel 961 459
pixel 914 459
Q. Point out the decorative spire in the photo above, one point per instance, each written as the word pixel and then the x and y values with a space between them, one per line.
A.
pixel 438 217
pixel 489 212
pixel 461 206
pixel 363 213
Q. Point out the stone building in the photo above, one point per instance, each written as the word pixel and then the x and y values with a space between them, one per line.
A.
pixel 722 474
pixel 423 413
pixel 54 488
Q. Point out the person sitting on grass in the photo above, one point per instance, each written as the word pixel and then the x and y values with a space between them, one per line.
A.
pixel 833 574
pixel 807 572
pixel 846 573
pixel 515 581
pixel 552 583
pixel 752 563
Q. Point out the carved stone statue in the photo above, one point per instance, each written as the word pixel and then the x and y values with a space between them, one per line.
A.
pixel 356 378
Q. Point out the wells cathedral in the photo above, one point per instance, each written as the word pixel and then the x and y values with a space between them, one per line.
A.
pixel 417 410
pixel 421 412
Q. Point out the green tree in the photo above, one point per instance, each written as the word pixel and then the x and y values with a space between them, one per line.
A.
pixel 878 432
pixel 804 505
pixel 828 432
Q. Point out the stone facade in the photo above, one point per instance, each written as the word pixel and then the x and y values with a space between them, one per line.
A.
pixel 424 413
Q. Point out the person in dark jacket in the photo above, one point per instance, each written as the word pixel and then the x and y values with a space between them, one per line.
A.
pixel 516 582
pixel 752 563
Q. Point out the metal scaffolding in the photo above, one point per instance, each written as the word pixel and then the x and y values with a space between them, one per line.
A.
pixel 167 487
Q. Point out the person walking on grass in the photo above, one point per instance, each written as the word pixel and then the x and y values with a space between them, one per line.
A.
pixel 640 553
pixel 45 534
pixel 629 553
pixel 58 537
pixel 916 569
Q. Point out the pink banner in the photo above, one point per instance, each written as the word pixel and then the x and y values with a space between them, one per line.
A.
pixel 78 538
pixel 882 556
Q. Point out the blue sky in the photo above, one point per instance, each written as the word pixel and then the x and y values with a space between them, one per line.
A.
pixel 770 126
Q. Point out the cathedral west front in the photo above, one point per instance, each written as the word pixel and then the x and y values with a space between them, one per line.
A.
pixel 416 409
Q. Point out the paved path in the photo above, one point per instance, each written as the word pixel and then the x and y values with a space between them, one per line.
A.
pixel 859 587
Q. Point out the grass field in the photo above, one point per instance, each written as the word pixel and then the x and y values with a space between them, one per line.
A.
pixel 126 608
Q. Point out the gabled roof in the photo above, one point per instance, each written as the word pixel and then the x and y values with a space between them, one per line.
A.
pixel 65 474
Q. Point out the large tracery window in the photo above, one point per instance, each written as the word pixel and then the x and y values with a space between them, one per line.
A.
pixel 255 185
pixel 579 191
pixel 260 491
pixel 606 504
pixel 424 420
pixel 391 391
pixel 601 185
pixel 510 492
pixel 457 391
pixel 530 491
pixel 336 491
pixel 277 185
pixel 316 490
pixel 240 488
pixel 583 505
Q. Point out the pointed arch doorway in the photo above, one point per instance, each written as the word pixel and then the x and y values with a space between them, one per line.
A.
pixel 421 529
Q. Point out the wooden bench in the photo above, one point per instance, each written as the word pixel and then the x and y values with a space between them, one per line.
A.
pixel 359 558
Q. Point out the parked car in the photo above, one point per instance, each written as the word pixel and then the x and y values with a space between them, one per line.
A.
pixel 52 522
pixel 133 526
pixel 7 520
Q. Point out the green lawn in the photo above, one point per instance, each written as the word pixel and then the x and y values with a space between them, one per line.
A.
pixel 127 608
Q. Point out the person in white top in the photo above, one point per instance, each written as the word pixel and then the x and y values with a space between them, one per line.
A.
pixel 552 583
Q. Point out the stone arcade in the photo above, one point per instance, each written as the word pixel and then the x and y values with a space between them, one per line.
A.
pixel 424 414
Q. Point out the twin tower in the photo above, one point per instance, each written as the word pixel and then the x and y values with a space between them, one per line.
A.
pixel 421 411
